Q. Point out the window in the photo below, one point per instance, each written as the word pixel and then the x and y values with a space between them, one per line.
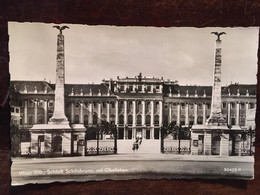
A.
pixel 112 104
pixel 182 106
pixel 104 104
pixel 174 119
pixel 121 119
pixel 30 120
pixel 156 120
pixel 50 104
pixel 76 119
pixel 130 105
pixel 40 104
pixel 12 109
pixel 200 106
pixel 208 106
pixel 251 105
pixel 165 106
pixel 242 105
pixel 112 118
pixel 139 120
pixel 199 120
pixel 224 105
pixel 85 119
pixel 40 119
pixel 131 88
pixel 95 119
pixel 148 119
pixel 148 88
pixel 191 106
pixel 233 105
pixel 103 118
pixel 95 104
pixel 122 88
pixel 130 119
pixel 182 120
pixel 191 120
pixel 77 105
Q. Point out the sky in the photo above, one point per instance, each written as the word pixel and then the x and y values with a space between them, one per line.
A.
pixel 94 53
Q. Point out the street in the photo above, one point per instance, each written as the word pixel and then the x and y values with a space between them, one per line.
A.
pixel 129 166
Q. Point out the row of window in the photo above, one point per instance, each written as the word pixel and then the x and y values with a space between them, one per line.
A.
pixel 139 88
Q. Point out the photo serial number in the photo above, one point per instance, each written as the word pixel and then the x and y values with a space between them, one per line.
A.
pixel 232 169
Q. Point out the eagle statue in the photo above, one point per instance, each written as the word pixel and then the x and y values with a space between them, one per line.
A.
pixel 218 34
pixel 61 28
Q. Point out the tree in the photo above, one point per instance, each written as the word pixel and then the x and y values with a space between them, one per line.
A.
pixel 15 139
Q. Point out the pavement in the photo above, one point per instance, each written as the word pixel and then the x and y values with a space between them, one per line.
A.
pixel 137 157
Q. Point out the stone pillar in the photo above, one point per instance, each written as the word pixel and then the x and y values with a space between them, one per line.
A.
pixel 59 110
pixel 108 112
pixel 35 111
pixel 25 112
pixel 207 143
pixel 160 112
pixel 45 111
pixel 216 117
pixel 72 114
pixel 237 113
pixel 195 113
pixel 99 113
pixel 143 112
pixel 81 116
pixel 170 113
pixel 90 117
pixel 116 112
pixel 187 114
pixel 204 113
pixel 152 113
pixel 178 113
pixel 125 111
pixel 224 145
pixel 229 113
pixel 134 113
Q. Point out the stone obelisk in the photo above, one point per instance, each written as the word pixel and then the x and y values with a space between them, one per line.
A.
pixel 59 107
pixel 216 117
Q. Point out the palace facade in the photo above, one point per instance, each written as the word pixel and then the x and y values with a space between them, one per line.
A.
pixel 138 105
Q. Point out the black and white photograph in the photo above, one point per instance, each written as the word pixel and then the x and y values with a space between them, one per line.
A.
pixel 91 103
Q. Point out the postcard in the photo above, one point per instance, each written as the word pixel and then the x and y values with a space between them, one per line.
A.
pixel 107 102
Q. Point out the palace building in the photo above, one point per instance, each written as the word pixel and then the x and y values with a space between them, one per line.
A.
pixel 139 105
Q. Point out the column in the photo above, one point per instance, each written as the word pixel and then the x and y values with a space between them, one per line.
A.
pixel 45 111
pixel 187 114
pixel 229 113
pixel 195 113
pixel 170 113
pixel 143 112
pixel 116 110
pixel 152 113
pixel 99 112
pixel 72 114
pixel 237 113
pixel 35 111
pixel 125 111
pixel 90 117
pixel 108 112
pixel 25 112
pixel 178 113
pixel 160 113
pixel 134 113
pixel 81 117
pixel 204 113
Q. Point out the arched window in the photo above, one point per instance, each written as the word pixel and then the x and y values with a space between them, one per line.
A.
pixel 76 119
pixel 95 119
pixel 156 120
pixel 148 119
pixel 139 120
pixel 174 119
pixel 121 119
pixel 139 105
pixel 182 120
pixel 191 120
pixel 112 118
pixel 103 118
pixel 57 144
pixel 200 120
pixel 85 119
pixel 130 119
